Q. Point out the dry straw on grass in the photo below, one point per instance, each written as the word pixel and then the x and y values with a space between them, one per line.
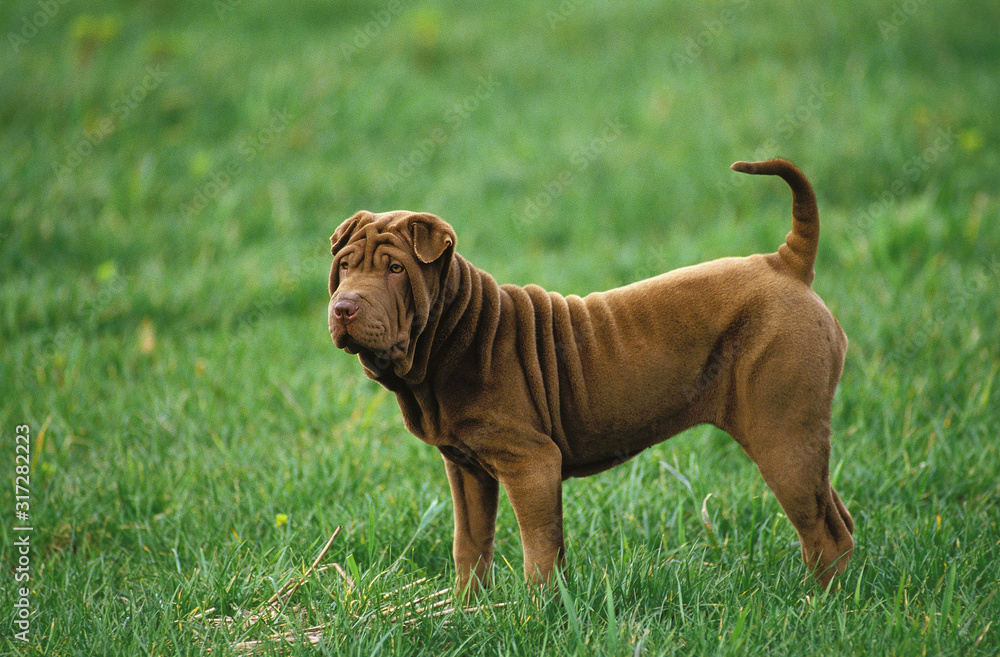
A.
pixel 277 610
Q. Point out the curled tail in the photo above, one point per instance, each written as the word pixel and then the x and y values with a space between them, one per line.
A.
pixel 799 250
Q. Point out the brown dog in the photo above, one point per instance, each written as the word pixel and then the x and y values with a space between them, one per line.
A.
pixel 524 388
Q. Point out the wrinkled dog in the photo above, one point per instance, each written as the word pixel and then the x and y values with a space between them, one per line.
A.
pixel 524 388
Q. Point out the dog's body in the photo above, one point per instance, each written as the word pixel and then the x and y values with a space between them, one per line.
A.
pixel 524 388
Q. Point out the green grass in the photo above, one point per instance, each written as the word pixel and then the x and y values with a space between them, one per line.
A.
pixel 171 173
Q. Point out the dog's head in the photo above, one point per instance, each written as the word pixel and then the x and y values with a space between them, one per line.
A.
pixel 388 272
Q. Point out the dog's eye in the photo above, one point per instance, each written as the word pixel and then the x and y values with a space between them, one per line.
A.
pixel 396 268
pixel 343 265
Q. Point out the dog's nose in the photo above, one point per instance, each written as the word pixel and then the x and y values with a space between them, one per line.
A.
pixel 345 310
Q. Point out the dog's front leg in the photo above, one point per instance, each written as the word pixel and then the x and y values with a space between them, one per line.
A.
pixel 534 486
pixel 474 494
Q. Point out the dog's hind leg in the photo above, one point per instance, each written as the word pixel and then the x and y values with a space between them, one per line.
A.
pixel 780 414
pixel 795 465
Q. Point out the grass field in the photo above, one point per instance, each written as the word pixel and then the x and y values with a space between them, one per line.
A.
pixel 170 173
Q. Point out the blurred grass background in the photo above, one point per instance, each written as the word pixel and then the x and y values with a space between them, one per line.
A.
pixel 169 178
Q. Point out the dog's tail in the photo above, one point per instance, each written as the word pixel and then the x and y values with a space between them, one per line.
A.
pixel 799 250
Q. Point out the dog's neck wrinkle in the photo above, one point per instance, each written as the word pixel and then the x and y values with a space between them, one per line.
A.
pixel 468 318
pixel 471 309
pixel 462 341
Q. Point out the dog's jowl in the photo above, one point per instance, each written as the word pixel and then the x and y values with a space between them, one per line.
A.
pixel 523 388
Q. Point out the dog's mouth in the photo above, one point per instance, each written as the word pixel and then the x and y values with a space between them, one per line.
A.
pixel 376 360
pixel 356 340
pixel 347 342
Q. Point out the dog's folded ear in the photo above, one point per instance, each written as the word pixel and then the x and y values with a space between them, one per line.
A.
pixel 342 235
pixel 432 236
